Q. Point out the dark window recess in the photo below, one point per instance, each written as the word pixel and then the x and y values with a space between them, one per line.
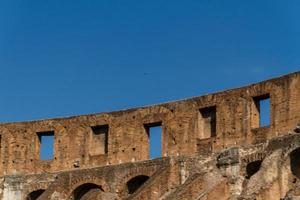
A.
pixel 135 183
pixel 100 139
pixel 262 111
pixel 209 124
pixel 46 146
pixel 154 132
pixel 252 168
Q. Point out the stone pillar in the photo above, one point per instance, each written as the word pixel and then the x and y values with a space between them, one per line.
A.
pixel 13 188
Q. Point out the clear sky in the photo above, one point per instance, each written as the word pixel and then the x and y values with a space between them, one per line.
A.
pixel 61 58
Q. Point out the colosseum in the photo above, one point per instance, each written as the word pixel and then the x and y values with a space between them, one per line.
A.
pixel 213 147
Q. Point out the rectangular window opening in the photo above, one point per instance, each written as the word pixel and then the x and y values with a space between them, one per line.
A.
pixel 154 132
pixel 46 144
pixel 100 139
pixel 262 111
pixel 208 123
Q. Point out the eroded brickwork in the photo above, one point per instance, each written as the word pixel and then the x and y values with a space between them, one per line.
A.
pixel 213 147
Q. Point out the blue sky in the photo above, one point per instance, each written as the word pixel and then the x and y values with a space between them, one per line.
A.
pixel 62 58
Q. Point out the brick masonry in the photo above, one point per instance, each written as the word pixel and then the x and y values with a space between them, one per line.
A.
pixel 208 143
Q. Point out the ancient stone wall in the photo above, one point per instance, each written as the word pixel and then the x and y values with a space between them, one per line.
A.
pixel 268 170
pixel 193 126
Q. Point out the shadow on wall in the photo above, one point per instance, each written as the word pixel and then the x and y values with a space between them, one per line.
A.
pixel 85 190
pixel 295 162
pixel 135 183
pixel 34 195
pixel 252 168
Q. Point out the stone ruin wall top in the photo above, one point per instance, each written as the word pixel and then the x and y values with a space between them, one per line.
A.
pixel 198 125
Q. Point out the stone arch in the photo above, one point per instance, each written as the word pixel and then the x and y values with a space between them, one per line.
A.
pixel 34 195
pixel 86 191
pixel 295 162
pixel 83 184
pixel 122 188
pixel 135 183
pixel 252 163
pixel 34 189
pixel 291 157
pixel 254 157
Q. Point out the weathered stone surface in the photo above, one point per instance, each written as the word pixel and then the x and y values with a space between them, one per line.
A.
pixel 228 157
pixel 213 147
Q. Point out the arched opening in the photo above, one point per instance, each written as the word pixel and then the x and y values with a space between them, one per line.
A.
pixel 135 183
pixel 252 168
pixel 87 191
pixel 295 162
pixel 35 194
